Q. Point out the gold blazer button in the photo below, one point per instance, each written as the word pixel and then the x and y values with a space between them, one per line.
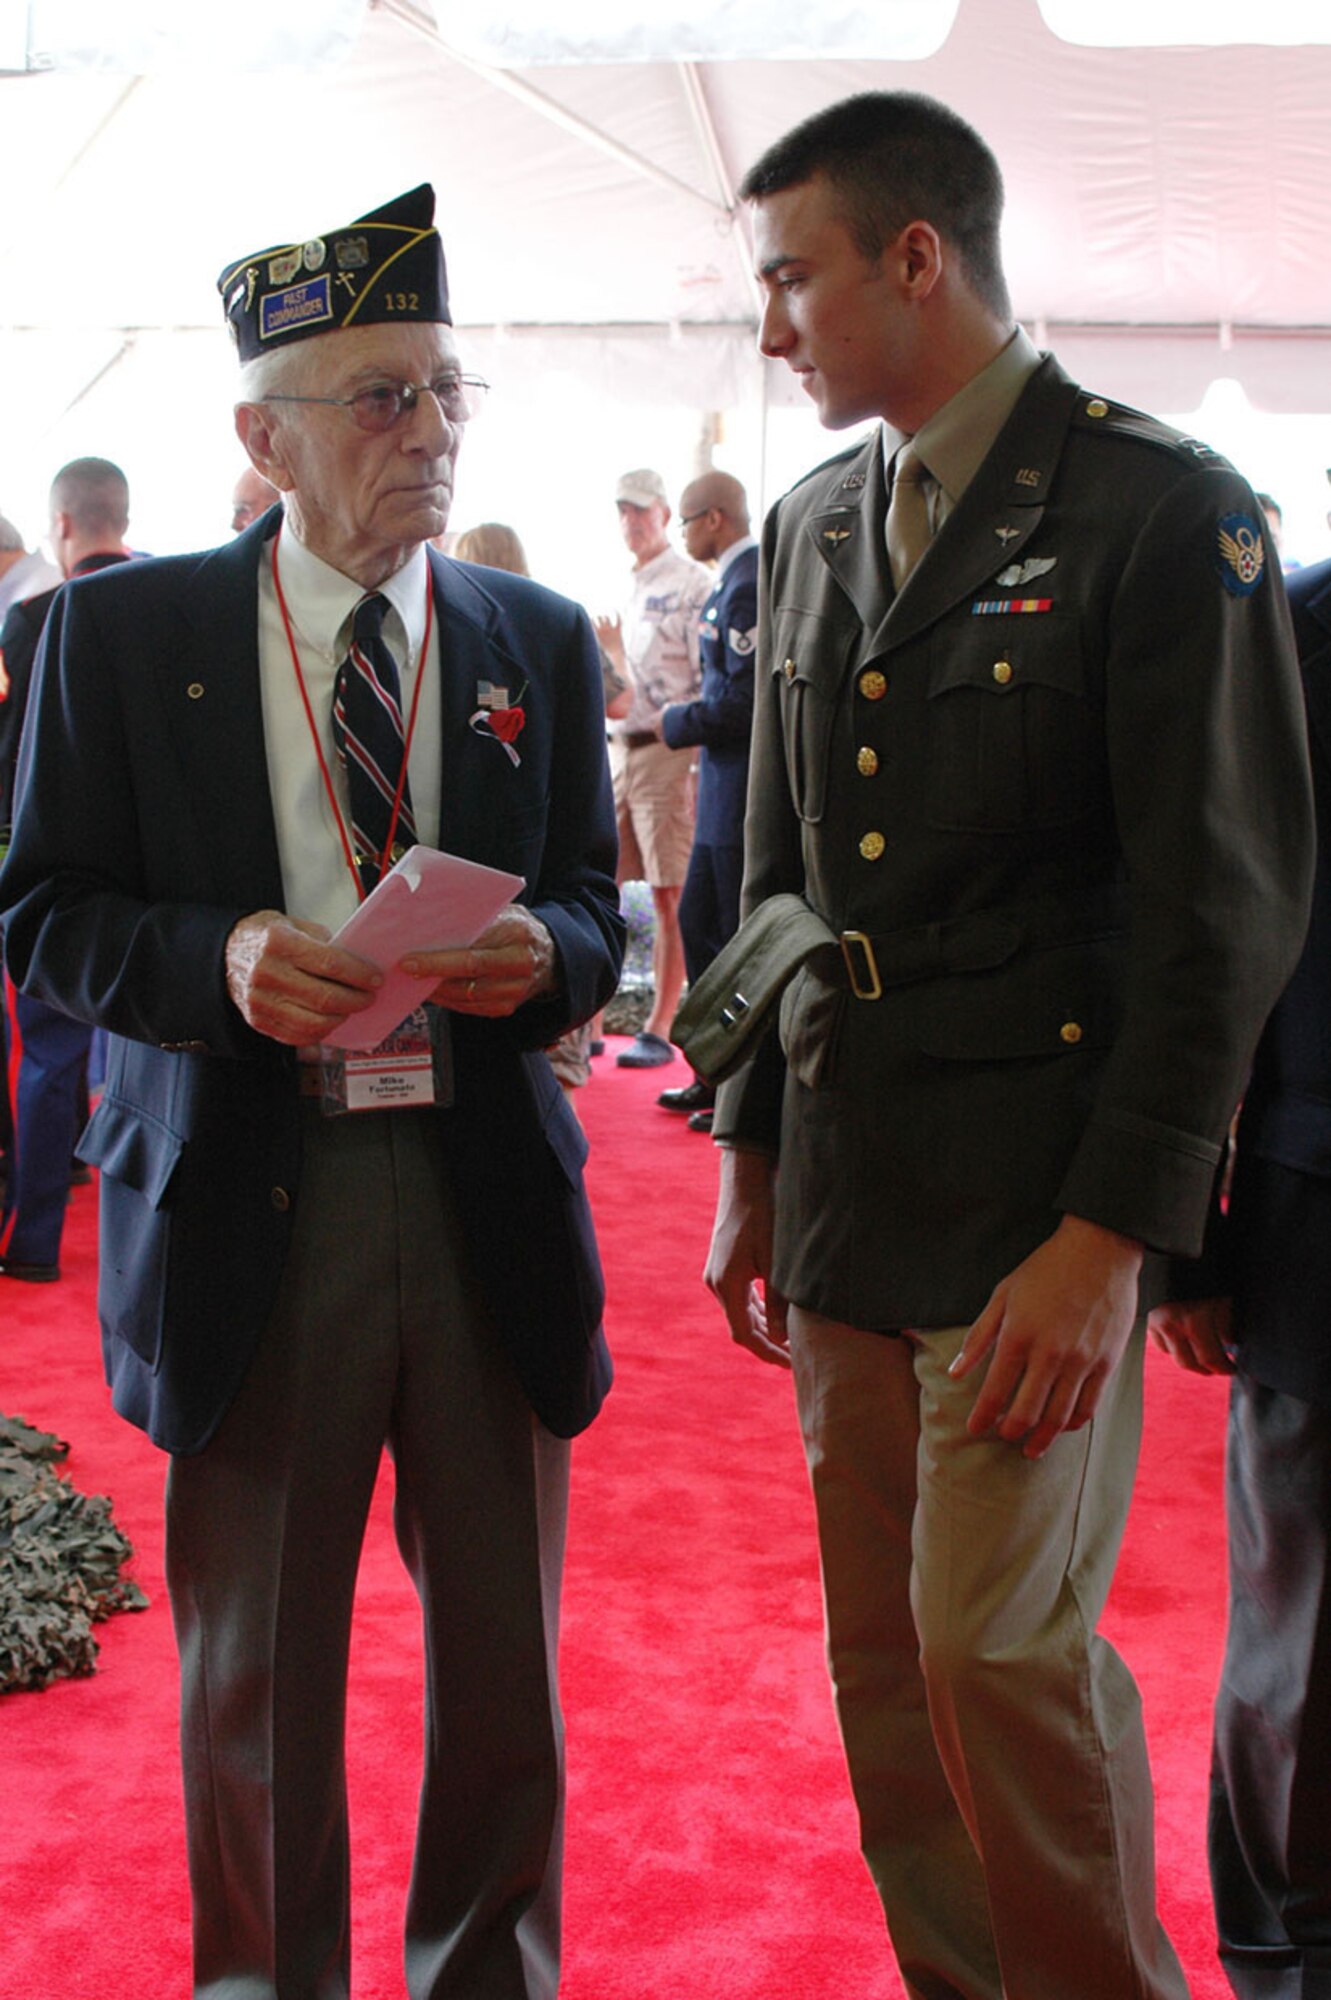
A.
pixel 872 684
pixel 873 846
pixel 1002 672
pixel 866 761
pixel 1070 1032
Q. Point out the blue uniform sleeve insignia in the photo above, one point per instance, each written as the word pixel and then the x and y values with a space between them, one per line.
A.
pixel 742 642
pixel 1240 554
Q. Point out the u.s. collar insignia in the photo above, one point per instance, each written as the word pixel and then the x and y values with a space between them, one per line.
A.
pixel 852 482
pixel 836 535
pixel 1240 554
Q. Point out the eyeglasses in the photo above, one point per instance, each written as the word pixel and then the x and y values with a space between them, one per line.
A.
pixel 384 405
pixel 686 519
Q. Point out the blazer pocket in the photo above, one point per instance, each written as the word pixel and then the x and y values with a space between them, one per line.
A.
pixel 130 1146
pixel 137 1156
pixel 1059 1002
pixel 1014 739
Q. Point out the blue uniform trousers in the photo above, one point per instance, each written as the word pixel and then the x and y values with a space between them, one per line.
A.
pixel 46 1057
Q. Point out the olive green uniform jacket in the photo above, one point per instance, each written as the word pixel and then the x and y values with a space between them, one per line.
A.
pixel 1060 783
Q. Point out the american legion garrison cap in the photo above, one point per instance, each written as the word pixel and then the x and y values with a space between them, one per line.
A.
pixel 386 266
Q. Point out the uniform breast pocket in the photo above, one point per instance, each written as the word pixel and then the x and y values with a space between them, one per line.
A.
pixel 1014 730
pixel 810 657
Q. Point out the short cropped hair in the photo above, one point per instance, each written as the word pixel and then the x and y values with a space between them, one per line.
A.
pixel 893 157
pixel 95 495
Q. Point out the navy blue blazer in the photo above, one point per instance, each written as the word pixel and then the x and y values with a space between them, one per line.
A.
pixel 1277 1237
pixel 144 830
pixel 721 717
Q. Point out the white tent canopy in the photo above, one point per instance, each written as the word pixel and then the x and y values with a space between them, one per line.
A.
pixel 1167 206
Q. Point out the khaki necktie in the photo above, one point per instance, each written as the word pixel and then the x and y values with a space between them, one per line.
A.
pixel 908 529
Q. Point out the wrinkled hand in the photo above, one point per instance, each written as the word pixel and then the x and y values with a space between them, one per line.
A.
pixel 289 982
pixel 1053 1332
pixel 740 1257
pixel 513 960
pixel 1195 1333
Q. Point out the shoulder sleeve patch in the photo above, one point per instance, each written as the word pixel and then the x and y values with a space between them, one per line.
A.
pixel 1240 555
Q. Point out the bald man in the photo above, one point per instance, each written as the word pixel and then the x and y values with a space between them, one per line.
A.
pixel 714 517
pixel 251 496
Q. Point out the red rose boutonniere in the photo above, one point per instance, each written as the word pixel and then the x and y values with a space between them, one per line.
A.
pixel 499 718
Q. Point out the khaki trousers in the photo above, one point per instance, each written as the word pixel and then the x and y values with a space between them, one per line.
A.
pixel 377 1339
pixel 994 1741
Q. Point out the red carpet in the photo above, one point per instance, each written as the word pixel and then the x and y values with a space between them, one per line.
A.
pixel 711 1845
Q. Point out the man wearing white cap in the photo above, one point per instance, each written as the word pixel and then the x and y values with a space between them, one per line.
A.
pixel 656 646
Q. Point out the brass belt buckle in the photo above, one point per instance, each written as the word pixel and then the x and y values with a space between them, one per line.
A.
pixel 869 986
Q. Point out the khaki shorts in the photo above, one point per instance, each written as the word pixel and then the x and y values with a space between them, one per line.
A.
pixel 654 809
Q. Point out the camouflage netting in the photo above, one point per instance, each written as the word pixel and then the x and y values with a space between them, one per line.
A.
pixel 60 1564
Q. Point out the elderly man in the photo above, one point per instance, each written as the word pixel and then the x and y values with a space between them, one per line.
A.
pixel 1028 742
pixel 22 572
pixel 655 647
pixel 285 1289
pixel 251 496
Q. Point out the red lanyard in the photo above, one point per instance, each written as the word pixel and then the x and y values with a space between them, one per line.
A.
pixel 318 742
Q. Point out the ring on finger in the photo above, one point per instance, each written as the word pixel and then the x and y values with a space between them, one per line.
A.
pixel 471 989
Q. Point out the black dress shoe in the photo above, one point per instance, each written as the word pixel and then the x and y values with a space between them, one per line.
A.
pixel 32 1274
pixel 695 1096
pixel 701 1121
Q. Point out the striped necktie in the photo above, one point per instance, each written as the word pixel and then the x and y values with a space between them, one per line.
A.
pixel 367 729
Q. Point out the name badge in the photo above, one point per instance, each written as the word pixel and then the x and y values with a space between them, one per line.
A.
pixel 412 1066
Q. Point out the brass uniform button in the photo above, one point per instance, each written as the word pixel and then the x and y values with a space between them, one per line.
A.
pixel 1096 408
pixel 872 846
pixel 872 684
pixel 789 670
pixel 195 690
pixel 1002 672
pixel 1070 1032
pixel 866 762
pixel 281 1200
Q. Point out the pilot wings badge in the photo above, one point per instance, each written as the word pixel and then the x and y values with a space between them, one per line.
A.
pixel 1240 554
pixel 1016 574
